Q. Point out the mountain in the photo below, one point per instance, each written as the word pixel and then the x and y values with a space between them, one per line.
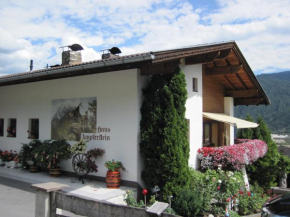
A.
pixel 277 115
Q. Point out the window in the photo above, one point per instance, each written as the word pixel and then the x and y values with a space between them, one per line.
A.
pixel 11 129
pixel 33 132
pixel 194 85
pixel 1 127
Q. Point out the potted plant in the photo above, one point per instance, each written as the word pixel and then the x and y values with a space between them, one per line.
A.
pixel 8 158
pixel 51 153
pixel 11 132
pixel 113 177
pixel 26 155
pixel 95 153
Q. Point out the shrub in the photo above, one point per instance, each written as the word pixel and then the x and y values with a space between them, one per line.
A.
pixel 251 201
pixel 209 191
pixel 189 202
pixel 164 141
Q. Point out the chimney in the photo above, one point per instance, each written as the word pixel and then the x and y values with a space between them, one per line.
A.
pixel 72 55
pixel 109 53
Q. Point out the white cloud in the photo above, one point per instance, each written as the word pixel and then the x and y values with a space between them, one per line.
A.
pixel 260 27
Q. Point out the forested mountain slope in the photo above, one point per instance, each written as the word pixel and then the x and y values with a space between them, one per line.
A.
pixel 277 115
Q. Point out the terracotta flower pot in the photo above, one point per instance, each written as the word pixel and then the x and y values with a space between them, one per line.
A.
pixel 113 179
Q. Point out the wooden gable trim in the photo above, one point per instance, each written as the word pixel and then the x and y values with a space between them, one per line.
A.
pixel 248 101
pixel 242 93
pixel 222 70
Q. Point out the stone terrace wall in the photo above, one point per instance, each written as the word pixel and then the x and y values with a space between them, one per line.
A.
pixel 86 207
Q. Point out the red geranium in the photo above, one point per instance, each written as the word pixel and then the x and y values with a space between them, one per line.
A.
pixel 237 156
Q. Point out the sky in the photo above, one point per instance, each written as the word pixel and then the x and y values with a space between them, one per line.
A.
pixel 36 29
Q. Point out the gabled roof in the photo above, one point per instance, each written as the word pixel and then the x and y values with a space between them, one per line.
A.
pixel 223 60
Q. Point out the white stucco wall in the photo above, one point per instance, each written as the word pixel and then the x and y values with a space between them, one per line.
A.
pixel 194 110
pixel 229 110
pixel 118 108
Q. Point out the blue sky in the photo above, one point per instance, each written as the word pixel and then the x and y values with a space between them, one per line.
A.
pixel 37 29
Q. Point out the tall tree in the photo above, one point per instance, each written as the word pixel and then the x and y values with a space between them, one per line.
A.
pixel 264 171
pixel 164 133
pixel 246 133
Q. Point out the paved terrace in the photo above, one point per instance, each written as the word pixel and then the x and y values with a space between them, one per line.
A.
pixel 90 190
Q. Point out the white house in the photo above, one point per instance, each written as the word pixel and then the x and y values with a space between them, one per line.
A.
pixel 218 78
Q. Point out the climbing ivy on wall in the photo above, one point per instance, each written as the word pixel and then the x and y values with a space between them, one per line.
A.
pixel 164 130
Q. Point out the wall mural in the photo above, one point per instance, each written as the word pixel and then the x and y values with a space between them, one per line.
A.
pixel 72 117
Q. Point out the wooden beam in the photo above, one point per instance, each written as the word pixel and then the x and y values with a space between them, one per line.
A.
pixel 224 54
pixel 223 70
pixel 242 93
pixel 248 101
pixel 241 80
pixel 228 80
pixel 205 58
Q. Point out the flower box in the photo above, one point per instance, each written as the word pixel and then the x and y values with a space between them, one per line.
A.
pixel 236 156
pixel 1 162
pixel 10 164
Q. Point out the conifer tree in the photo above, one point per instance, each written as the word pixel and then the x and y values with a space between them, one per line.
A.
pixel 246 133
pixel 164 141
pixel 264 171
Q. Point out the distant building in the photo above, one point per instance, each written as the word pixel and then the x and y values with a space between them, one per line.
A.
pixel 277 136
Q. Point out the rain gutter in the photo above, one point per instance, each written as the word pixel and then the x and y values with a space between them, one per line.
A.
pixel 100 64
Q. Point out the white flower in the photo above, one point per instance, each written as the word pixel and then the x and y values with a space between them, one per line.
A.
pixel 220 181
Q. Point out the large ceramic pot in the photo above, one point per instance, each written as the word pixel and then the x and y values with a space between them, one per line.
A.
pixel 55 172
pixel 113 179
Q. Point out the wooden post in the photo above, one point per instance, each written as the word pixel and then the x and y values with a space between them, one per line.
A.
pixel 44 203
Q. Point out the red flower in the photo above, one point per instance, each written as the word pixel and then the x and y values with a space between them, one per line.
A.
pixel 249 193
pixel 262 195
pixel 241 192
pixel 228 199
pixel 219 187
